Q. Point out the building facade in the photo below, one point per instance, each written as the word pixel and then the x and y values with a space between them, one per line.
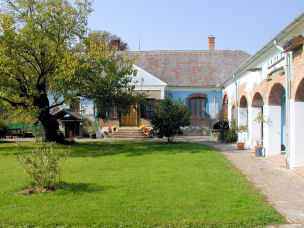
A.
pixel 265 94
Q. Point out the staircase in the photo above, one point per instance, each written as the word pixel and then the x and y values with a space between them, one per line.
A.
pixel 127 132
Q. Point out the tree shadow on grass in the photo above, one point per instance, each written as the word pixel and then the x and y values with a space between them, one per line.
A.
pixel 135 148
pixel 98 149
pixel 65 187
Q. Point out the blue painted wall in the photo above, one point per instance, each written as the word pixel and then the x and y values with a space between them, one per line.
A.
pixel 209 103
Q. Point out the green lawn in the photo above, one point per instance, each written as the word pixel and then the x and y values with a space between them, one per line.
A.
pixel 135 185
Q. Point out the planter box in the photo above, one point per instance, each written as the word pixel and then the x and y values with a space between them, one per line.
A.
pixel 216 135
pixel 240 145
pixel 259 151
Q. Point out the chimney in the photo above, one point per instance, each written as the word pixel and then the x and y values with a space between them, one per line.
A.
pixel 211 43
pixel 115 45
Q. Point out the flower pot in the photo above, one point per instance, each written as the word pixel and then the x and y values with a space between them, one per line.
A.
pixel 240 145
pixel 258 150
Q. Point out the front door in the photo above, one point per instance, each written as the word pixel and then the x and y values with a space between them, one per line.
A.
pixel 71 129
pixel 130 119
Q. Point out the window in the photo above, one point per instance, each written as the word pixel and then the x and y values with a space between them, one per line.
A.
pixel 75 105
pixel 198 107
pixel 147 110
pixel 105 113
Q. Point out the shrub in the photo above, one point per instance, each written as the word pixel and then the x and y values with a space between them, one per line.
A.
pixel 42 165
pixel 231 136
pixel 169 117
pixel 3 128
pixel 91 127
pixel 220 125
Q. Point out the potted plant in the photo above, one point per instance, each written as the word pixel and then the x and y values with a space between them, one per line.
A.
pixel 114 128
pixel 110 129
pixel 259 148
pixel 241 143
pixel 147 132
pixel 260 118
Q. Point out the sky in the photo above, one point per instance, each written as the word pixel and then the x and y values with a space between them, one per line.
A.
pixel 186 24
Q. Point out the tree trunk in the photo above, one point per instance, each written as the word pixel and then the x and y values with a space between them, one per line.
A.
pixel 49 122
pixel 50 128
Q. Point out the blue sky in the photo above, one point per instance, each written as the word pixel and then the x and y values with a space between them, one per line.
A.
pixel 186 24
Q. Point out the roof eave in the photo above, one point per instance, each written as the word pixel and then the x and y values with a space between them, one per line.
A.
pixel 264 49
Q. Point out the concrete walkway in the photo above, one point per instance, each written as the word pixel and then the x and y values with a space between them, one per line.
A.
pixel 283 188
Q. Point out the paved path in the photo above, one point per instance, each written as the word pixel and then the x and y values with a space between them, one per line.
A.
pixel 283 188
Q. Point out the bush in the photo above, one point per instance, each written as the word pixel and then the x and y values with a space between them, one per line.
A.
pixel 169 117
pixel 91 127
pixel 220 125
pixel 231 136
pixel 42 165
pixel 3 128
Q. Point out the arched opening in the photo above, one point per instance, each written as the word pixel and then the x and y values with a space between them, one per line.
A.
pixel 225 107
pixel 257 114
pixel 276 115
pixel 296 127
pixel 243 119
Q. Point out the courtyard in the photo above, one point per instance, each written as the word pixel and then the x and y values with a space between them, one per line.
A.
pixel 150 184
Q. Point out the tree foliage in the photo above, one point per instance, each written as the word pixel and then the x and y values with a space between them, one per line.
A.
pixel 169 117
pixel 106 77
pixel 105 38
pixel 36 45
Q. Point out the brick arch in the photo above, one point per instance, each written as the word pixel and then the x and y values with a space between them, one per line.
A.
pixel 257 100
pixel 225 99
pixel 193 95
pixel 225 106
pixel 299 93
pixel 243 103
pixel 275 94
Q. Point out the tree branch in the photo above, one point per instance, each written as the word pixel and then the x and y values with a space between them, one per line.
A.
pixel 56 105
pixel 14 104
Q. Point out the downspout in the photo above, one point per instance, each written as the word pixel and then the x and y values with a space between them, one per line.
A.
pixel 236 102
pixel 214 104
pixel 287 100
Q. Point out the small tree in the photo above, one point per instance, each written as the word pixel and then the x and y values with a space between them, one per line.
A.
pixel 171 115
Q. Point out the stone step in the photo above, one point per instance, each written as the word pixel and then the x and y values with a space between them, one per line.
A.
pixel 131 137
pixel 127 132
pixel 124 131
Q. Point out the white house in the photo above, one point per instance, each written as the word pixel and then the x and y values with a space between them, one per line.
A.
pixel 270 84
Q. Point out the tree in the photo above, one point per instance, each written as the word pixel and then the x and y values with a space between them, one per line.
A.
pixel 169 117
pixel 37 39
pixel 105 77
pixel 106 38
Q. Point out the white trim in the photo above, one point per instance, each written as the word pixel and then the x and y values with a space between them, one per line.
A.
pixel 157 79
pixel 152 88
pixel 149 87
pixel 190 88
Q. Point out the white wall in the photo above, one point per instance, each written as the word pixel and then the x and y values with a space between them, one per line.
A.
pixel 297 134
pixel 272 128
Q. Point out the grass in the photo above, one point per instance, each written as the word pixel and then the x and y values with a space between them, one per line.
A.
pixel 135 185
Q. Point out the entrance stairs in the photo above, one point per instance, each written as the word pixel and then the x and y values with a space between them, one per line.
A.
pixel 128 132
